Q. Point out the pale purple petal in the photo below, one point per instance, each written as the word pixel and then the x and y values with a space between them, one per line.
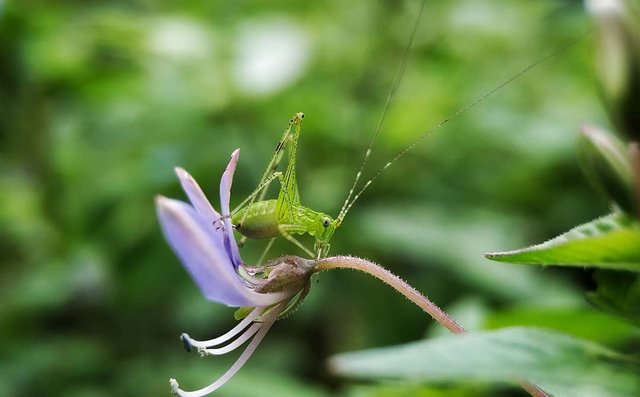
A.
pixel 204 257
pixel 226 181
pixel 225 196
pixel 197 197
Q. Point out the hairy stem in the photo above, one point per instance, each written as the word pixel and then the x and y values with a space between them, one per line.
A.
pixel 377 271
pixel 384 275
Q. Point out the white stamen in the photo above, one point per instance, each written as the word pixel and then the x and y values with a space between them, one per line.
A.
pixel 175 387
pixel 233 345
pixel 229 335
pixel 246 354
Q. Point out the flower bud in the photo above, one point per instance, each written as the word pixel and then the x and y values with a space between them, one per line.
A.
pixel 607 164
pixel 618 28
pixel 287 273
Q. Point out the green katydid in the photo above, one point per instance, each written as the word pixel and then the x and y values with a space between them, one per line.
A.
pixel 285 215
pixel 257 218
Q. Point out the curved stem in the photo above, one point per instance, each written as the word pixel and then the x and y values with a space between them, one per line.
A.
pixel 384 275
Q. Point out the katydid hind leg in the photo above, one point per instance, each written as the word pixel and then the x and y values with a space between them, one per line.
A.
pixel 289 197
pixel 270 172
pixel 276 159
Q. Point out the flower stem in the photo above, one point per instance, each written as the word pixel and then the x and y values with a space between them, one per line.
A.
pixel 384 275
pixel 379 272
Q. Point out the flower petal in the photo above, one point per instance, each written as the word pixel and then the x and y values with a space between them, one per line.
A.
pixel 225 196
pixel 197 196
pixel 204 257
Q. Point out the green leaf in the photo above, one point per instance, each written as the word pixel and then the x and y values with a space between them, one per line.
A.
pixel 610 242
pixel 560 364
pixel 413 390
pixel 586 323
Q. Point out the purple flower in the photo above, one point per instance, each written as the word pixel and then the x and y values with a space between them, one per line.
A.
pixel 203 241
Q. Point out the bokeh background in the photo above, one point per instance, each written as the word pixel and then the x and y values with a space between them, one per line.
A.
pixel 99 100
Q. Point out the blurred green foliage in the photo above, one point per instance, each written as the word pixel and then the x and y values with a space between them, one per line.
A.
pixel 561 365
pixel 99 100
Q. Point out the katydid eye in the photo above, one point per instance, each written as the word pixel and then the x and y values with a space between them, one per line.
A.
pixel 326 222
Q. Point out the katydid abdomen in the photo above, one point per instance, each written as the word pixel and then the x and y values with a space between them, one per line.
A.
pixel 258 220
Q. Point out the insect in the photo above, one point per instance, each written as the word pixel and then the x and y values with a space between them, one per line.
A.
pixel 257 218
pixel 286 215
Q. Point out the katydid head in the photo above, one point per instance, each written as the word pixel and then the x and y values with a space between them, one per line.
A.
pixel 324 226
